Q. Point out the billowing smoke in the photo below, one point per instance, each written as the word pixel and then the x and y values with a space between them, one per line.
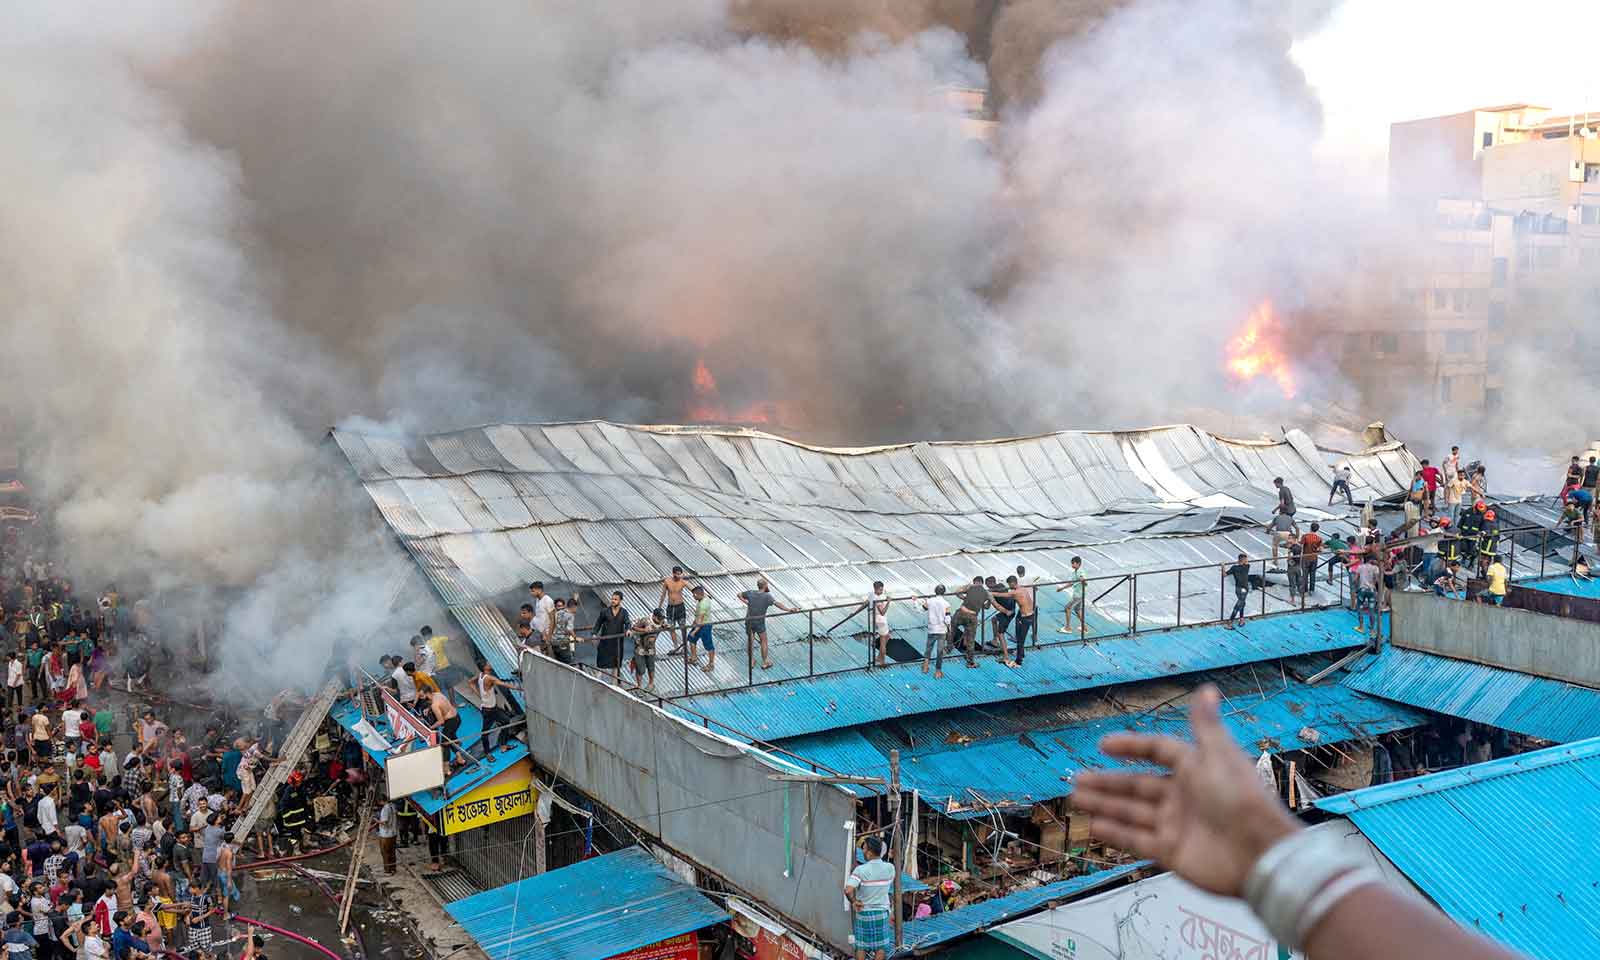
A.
pixel 229 229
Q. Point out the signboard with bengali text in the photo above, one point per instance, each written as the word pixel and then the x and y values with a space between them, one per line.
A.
pixel 405 726
pixel 508 795
pixel 685 946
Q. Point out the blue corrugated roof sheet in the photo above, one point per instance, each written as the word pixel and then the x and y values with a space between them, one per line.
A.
pixel 1510 848
pixel 592 910
pixel 952 924
pixel 1536 706
pixel 1026 768
pixel 346 714
pixel 815 704
pixel 1569 585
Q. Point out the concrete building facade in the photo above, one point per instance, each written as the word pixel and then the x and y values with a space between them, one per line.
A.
pixel 1499 210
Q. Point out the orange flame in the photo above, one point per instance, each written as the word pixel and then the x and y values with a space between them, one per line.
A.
pixel 707 406
pixel 1258 351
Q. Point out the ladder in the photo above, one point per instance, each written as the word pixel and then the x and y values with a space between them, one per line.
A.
pixel 363 830
pixel 294 747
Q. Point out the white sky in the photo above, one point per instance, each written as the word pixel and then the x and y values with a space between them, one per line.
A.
pixel 1378 61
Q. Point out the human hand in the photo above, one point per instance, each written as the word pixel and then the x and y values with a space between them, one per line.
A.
pixel 1208 819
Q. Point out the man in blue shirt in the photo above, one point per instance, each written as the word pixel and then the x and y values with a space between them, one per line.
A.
pixel 19 943
pixel 128 944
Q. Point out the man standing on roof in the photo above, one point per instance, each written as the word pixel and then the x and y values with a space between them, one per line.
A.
pixel 938 630
pixel 1341 483
pixel 1005 611
pixel 756 604
pixel 1283 526
pixel 877 607
pixel 670 599
pixel 645 630
pixel 1430 481
pixel 700 630
pixel 1310 556
pixel 610 629
pixel 1023 598
pixel 965 624
pixel 1077 599
pixel 1239 572
pixel 484 685
pixel 544 610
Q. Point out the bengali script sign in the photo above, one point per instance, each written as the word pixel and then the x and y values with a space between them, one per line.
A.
pixel 506 797
pixel 1216 941
pixel 685 946
pixel 404 725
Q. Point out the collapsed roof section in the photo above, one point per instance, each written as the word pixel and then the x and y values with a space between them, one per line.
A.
pixel 604 506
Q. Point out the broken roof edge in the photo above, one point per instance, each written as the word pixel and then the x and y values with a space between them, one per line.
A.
pixel 1369 797
pixel 360 427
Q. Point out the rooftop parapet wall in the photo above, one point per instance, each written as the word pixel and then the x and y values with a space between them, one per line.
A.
pixel 1538 644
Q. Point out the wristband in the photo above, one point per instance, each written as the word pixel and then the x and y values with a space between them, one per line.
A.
pixel 1330 896
pixel 1284 881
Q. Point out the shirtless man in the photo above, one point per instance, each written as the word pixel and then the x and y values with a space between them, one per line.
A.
pixel 1024 598
pixel 447 720
pixel 672 594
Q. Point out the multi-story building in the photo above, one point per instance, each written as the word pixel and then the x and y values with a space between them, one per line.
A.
pixel 1500 216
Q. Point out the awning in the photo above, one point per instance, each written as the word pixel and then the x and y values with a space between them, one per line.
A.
pixel 591 910
pixel 940 928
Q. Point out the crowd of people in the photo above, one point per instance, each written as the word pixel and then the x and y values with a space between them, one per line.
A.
pixel 116 805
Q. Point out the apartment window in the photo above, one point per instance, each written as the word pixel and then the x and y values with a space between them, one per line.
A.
pixel 1497 315
pixel 1498 270
pixel 1386 342
pixel 1444 389
pixel 1458 341
pixel 1488 138
pixel 1591 173
pixel 1589 214
pixel 1547 258
pixel 1491 399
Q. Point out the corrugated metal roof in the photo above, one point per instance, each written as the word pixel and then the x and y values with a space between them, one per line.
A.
pixel 605 506
pixel 1536 706
pixel 940 758
pixel 592 910
pixel 815 704
pixel 1510 848
pixel 940 928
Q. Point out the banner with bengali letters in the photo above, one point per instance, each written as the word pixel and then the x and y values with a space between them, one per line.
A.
pixel 405 726
pixel 508 795
pixel 685 946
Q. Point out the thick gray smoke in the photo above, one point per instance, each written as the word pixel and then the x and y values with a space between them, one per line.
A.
pixel 228 230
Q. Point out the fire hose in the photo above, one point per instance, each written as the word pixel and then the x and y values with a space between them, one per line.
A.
pixel 285 933
pixel 259 864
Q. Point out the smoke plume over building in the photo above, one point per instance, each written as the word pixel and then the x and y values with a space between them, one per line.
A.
pixel 232 226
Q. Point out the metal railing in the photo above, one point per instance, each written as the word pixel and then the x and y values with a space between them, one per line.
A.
pixel 1184 591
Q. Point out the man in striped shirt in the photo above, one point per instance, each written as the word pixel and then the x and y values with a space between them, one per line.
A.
pixel 868 889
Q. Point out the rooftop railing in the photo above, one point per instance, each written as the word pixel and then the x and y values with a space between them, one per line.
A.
pixel 841 638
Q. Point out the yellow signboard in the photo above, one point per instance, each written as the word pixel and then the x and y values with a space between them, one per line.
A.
pixel 508 796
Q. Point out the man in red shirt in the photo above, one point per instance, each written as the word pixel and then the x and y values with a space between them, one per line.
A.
pixel 1430 481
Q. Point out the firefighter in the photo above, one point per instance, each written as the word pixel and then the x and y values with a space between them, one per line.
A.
pixel 1468 529
pixel 292 810
pixel 1449 544
pixel 1488 541
pixel 410 824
